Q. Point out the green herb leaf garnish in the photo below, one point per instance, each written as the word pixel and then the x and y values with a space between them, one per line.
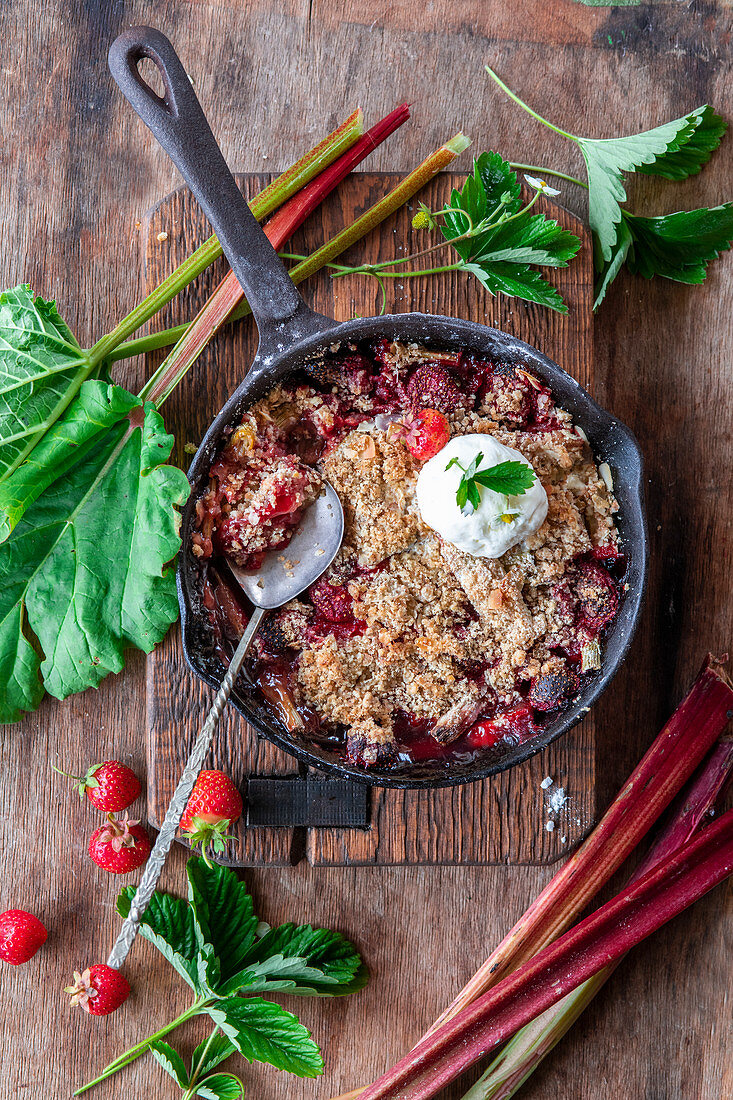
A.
pixel 507 478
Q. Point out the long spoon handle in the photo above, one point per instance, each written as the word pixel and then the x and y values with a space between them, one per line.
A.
pixel 194 764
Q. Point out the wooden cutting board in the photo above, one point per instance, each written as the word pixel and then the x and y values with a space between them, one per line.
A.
pixel 499 820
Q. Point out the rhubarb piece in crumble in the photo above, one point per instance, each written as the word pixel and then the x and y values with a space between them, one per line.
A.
pixel 408 649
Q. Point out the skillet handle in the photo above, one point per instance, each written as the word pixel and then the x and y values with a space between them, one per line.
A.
pixel 179 124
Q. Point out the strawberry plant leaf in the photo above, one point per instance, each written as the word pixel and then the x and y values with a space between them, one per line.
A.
pixel 168 924
pixel 612 266
pixel 315 961
pixel 224 920
pixel 679 246
pixel 86 573
pixel 214 1050
pixel 42 367
pixel 264 1032
pixel 221 1086
pixel 517 281
pixel 171 1062
pixel 509 478
pixel 694 153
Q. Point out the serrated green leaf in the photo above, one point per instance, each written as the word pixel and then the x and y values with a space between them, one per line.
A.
pixel 679 246
pixel 528 239
pixel 214 1050
pixel 607 158
pixel 224 918
pixel 264 1032
pixel 42 367
pixel 221 1086
pixel 507 478
pixel 304 950
pixel 694 154
pixel 518 281
pixel 86 573
pixel 171 1061
pixel 611 267
pixel 168 924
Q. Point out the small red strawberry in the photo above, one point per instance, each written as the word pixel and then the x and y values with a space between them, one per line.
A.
pixel 99 990
pixel 119 846
pixel 110 786
pixel 426 433
pixel 432 386
pixel 21 934
pixel 214 805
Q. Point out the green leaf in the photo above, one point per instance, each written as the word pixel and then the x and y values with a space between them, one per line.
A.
pixel 214 1050
pixel 168 923
pixel 171 1061
pixel 508 478
pixel 41 369
pixel 317 960
pixel 86 573
pixel 264 1032
pixel 224 919
pixel 221 1086
pixel 492 188
pixel 605 161
pixel 691 157
pixel 679 246
pixel 517 281
pixel 611 267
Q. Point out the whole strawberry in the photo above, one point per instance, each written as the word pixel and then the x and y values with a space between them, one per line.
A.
pixel 426 433
pixel 119 846
pixel 21 934
pixel 214 805
pixel 110 786
pixel 99 990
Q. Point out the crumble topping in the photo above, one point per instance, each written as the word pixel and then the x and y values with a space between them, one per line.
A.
pixel 404 632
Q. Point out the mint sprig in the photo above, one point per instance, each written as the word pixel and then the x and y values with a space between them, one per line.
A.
pixel 212 941
pixel 510 479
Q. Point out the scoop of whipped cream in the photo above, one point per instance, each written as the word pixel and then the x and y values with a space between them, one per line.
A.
pixel 481 532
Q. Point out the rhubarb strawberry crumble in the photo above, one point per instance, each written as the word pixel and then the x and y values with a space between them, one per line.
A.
pixel 480 562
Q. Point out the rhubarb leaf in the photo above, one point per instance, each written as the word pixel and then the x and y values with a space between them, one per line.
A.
pixel 264 1032
pixel 168 924
pixel 171 1061
pixel 86 573
pixel 42 367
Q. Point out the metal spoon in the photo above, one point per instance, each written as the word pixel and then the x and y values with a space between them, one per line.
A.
pixel 282 576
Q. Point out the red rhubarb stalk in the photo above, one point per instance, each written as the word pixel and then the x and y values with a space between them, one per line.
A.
pixel 279 229
pixel 521 1056
pixel 672 758
pixel 166 378
pixel 555 971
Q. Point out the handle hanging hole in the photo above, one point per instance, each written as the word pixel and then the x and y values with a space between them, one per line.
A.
pixel 150 75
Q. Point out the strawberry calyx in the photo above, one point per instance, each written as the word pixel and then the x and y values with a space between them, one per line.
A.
pixel 118 833
pixel 209 836
pixel 83 782
pixel 82 991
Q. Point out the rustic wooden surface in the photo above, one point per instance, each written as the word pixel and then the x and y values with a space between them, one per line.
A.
pixel 500 820
pixel 77 171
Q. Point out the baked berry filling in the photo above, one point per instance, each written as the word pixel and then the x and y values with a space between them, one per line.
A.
pixel 409 651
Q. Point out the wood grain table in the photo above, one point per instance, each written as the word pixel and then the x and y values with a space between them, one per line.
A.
pixel 77 173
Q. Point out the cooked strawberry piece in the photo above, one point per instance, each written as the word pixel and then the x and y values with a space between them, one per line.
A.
pixel 483 735
pixel 553 689
pixel 433 387
pixel 607 551
pixel 597 596
pixel 332 601
pixel 516 723
pixel 427 433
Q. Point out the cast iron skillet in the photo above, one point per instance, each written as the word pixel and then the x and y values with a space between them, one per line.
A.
pixel 289 334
